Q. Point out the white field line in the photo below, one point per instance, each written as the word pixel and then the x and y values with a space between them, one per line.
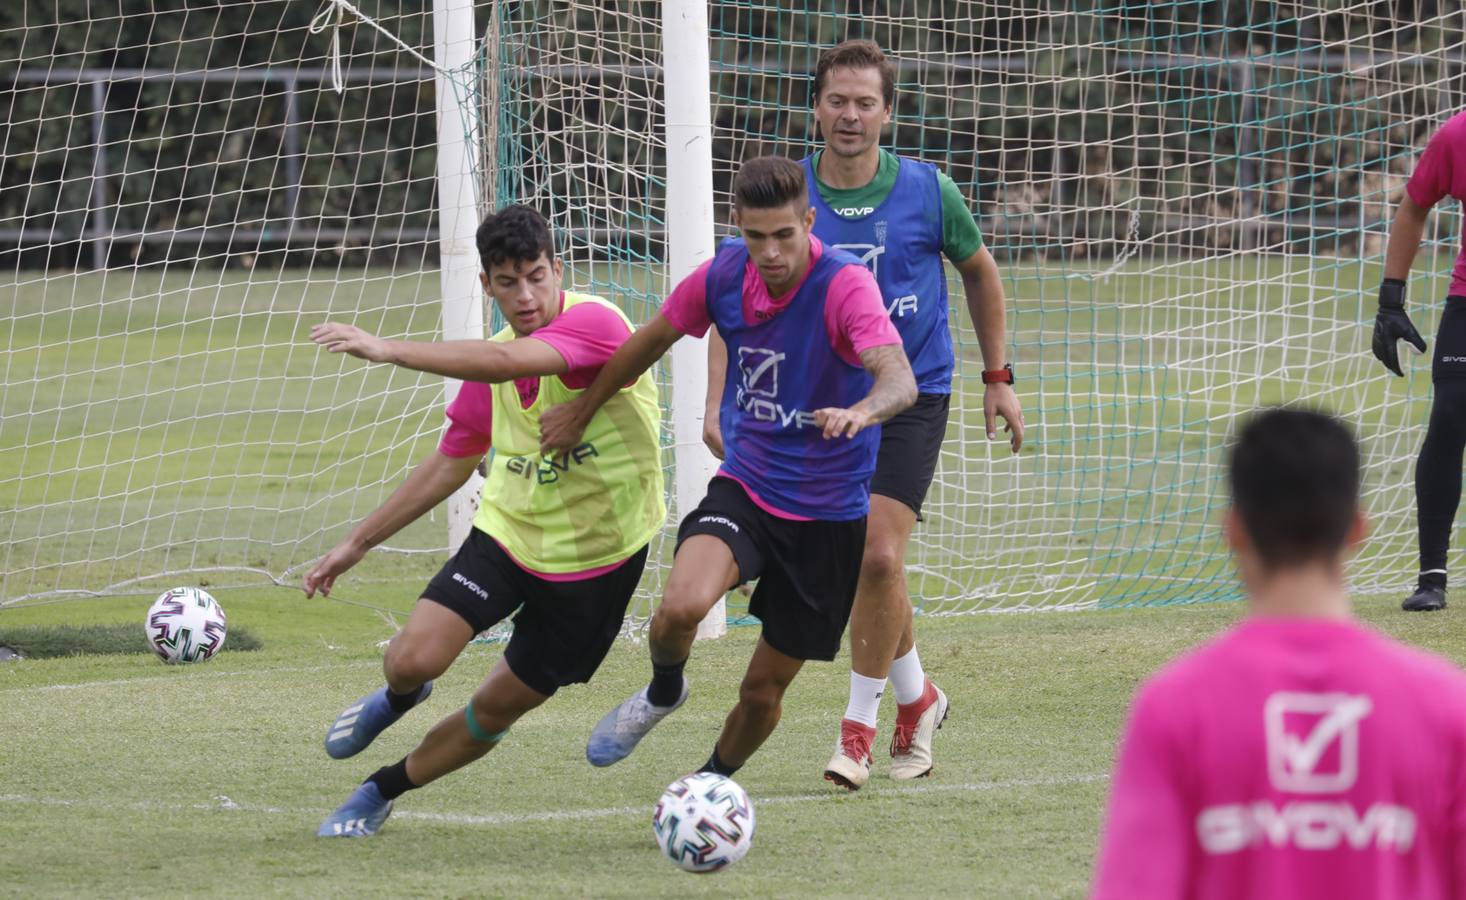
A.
pixel 607 812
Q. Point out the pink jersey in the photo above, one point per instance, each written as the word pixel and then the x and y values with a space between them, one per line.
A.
pixel 586 336
pixel 1441 172
pixel 855 315
pixel 1298 758
pixel 855 320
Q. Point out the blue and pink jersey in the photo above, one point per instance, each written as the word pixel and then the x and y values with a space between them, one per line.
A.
pixel 1441 172
pixel 787 357
pixel 586 335
pixel 900 241
pixel 1299 758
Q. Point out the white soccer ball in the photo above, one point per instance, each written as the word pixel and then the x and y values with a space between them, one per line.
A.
pixel 186 625
pixel 704 822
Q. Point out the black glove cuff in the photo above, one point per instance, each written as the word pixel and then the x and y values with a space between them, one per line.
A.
pixel 1392 293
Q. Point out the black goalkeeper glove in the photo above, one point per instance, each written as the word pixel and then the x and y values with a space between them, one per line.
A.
pixel 1391 324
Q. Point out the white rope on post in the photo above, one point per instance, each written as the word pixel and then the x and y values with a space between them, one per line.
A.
pixel 331 16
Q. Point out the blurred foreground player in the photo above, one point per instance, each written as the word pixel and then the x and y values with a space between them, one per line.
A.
pixel 1299 754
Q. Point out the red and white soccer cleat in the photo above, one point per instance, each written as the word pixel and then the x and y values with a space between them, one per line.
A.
pixel 916 726
pixel 850 766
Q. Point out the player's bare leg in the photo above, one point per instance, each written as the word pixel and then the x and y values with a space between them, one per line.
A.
pixel 881 632
pixel 424 649
pixel 470 733
pixel 760 704
pixel 702 572
pixel 456 741
pixel 881 616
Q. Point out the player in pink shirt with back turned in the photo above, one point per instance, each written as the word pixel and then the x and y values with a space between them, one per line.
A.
pixel 1299 754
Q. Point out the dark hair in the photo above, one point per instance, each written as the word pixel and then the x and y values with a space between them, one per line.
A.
pixel 1295 484
pixel 856 55
pixel 515 232
pixel 769 182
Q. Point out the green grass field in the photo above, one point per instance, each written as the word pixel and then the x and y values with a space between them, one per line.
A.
pixel 124 777
pixel 169 429
pixel 182 422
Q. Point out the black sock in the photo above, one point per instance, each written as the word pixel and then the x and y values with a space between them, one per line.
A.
pixel 1431 580
pixel 666 684
pixel 392 780
pixel 1438 478
pixel 403 702
pixel 716 765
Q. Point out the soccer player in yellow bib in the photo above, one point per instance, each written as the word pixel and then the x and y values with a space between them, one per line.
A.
pixel 563 538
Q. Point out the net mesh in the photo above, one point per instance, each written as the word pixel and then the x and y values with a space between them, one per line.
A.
pixel 1188 202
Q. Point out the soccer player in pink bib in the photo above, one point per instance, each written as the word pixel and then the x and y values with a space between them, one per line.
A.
pixel 1440 173
pixel 1299 754
pixel 814 364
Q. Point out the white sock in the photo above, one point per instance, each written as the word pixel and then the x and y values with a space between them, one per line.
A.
pixel 865 699
pixel 907 678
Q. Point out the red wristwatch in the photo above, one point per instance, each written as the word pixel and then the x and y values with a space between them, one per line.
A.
pixel 998 376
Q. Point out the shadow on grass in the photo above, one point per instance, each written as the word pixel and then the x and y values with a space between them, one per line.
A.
pixel 46 641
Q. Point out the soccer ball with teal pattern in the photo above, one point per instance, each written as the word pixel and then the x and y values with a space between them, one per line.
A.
pixel 186 625
pixel 704 822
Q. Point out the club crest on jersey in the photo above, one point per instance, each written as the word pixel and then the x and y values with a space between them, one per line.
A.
pixel 869 254
pixel 758 393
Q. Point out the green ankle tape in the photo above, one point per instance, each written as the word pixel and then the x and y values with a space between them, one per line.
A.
pixel 476 731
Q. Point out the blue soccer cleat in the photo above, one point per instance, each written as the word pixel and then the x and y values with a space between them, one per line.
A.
pixel 361 722
pixel 360 816
pixel 618 733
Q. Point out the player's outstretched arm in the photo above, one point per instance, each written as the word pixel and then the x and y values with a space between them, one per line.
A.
pixel 983 288
pixel 1391 322
pixel 893 391
pixel 561 427
pixel 712 426
pixel 427 485
pixel 491 362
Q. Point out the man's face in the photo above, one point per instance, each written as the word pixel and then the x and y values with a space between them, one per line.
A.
pixel 851 110
pixel 778 241
pixel 527 292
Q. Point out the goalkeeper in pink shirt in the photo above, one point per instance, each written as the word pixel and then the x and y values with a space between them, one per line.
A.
pixel 1439 173
pixel 1299 754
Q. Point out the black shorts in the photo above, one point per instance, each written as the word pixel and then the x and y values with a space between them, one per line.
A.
pixel 806 571
pixel 911 444
pixel 1448 361
pixel 563 629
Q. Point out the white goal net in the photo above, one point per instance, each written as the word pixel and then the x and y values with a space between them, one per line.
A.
pixel 1187 202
